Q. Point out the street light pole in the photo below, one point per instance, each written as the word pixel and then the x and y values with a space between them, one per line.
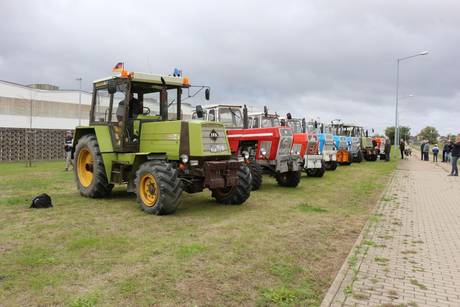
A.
pixel 79 102
pixel 396 140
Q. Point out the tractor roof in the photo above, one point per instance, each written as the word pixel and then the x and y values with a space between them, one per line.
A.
pixel 212 106
pixel 150 78
pixel 262 113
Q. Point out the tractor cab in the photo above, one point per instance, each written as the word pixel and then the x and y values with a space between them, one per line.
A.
pixel 125 103
pixel 230 115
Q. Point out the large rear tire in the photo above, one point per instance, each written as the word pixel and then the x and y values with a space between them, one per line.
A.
pixel 256 173
pixel 288 179
pixel 89 168
pixel 158 187
pixel 235 195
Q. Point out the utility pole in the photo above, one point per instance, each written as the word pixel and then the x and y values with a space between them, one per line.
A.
pixel 79 102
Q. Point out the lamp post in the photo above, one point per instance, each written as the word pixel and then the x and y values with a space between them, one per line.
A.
pixel 396 140
pixel 79 102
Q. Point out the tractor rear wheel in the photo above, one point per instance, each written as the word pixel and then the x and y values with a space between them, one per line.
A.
pixel 288 179
pixel 331 165
pixel 89 168
pixel 320 171
pixel 235 195
pixel 256 173
pixel 158 187
pixel 311 172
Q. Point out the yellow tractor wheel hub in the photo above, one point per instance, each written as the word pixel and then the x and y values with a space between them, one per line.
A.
pixel 149 190
pixel 85 167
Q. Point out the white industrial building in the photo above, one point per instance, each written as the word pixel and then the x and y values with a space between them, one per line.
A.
pixel 46 106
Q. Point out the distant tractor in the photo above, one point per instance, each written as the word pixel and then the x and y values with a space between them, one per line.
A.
pixel 157 158
pixel 342 143
pixel 368 147
pixel 260 139
pixel 327 148
pixel 353 134
pixel 306 145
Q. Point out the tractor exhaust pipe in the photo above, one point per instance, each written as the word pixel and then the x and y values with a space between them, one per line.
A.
pixel 245 118
pixel 163 101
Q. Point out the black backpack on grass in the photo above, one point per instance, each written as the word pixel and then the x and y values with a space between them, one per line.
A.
pixel 41 201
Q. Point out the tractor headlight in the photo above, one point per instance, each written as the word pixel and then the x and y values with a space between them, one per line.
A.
pixel 245 155
pixel 265 148
pixel 184 158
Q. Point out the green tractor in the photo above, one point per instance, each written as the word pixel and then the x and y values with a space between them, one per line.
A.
pixel 155 156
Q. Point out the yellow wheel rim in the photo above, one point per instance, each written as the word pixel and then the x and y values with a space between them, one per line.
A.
pixel 148 190
pixel 85 167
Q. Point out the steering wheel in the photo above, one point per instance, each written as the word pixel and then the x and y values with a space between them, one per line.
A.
pixel 145 111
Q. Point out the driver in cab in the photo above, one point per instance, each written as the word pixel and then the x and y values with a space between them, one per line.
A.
pixel 136 109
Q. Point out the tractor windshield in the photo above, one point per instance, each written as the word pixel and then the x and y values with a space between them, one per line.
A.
pixel 295 125
pixel 231 117
pixel 268 122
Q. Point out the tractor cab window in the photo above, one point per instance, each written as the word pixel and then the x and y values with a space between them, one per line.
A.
pixel 295 125
pixel 102 106
pixel 212 115
pixel 268 122
pixel 231 117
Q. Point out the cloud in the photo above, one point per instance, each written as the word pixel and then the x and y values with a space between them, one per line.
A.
pixel 333 59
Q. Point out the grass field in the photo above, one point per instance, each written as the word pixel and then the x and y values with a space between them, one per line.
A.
pixel 282 247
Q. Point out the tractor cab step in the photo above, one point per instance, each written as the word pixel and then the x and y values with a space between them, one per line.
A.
pixel 120 172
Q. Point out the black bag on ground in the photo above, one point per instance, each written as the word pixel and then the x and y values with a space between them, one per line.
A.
pixel 41 201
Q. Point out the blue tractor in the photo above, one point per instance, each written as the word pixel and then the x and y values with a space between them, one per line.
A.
pixel 328 150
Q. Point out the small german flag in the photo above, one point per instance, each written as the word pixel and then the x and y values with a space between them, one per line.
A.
pixel 118 68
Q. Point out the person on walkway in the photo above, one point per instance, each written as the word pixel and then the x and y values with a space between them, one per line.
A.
pixel 445 150
pixel 387 149
pixel 68 144
pixel 402 147
pixel 426 150
pixel 449 151
pixel 435 151
pixel 455 155
pixel 422 146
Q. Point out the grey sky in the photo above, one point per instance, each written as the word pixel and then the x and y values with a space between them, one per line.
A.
pixel 332 59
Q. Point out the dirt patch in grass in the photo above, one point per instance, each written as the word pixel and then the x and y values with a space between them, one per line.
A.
pixel 283 247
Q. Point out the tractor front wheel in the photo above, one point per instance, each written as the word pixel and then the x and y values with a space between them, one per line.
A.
pixel 256 173
pixel 331 165
pixel 235 195
pixel 288 179
pixel 89 168
pixel 158 187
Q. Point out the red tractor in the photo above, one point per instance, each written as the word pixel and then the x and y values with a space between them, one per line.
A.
pixel 306 144
pixel 264 144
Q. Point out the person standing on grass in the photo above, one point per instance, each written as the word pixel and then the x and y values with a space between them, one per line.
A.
pixel 387 149
pixel 68 144
pixel 435 151
pixel 402 147
pixel 455 155
pixel 426 150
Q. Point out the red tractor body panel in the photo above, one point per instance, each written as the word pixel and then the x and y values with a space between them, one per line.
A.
pixel 237 136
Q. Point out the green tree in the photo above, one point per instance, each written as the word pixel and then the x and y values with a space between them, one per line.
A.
pixel 404 133
pixel 429 133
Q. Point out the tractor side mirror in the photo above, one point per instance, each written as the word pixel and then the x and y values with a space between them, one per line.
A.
pixel 112 86
pixel 283 122
pixel 288 116
pixel 265 111
pixel 207 93
pixel 199 111
pixel 316 124
pixel 322 128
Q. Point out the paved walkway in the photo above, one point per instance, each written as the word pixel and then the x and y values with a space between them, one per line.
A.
pixel 409 252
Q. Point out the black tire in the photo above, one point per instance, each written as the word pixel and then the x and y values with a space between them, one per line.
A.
pixel 166 187
pixel 238 194
pixel 331 165
pixel 320 171
pixel 98 186
pixel 288 179
pixel 311 172
pixel 359 158
pixel 256 173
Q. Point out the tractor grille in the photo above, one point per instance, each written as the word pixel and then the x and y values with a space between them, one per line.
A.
pixel 311 148
pixel 355 144
pixel 214 138
pixel 343 143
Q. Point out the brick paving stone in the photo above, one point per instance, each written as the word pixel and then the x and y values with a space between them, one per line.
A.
pixel 416 255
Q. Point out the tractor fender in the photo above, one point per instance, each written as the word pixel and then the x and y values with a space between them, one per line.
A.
pixel 102 133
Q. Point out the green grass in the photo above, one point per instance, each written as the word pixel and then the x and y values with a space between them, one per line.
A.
pixel 283 247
